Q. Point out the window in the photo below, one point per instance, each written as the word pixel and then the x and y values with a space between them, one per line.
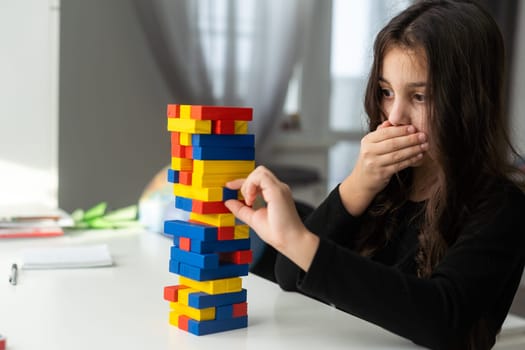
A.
pixel 29 108
pixel 220 20
pixel 354 26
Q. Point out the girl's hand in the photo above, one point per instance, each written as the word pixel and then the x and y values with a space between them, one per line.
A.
pixel 278 224
pixel 384 152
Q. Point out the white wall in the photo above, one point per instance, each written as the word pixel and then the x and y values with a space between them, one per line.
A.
pixel 113 98
pixel 28 101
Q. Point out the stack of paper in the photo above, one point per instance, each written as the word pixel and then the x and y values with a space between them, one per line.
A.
pixel 66 257
pixel 33 222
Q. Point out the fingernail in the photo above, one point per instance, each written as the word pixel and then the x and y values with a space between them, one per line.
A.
pixel 411 129
pixel 424 146
pixel 422 137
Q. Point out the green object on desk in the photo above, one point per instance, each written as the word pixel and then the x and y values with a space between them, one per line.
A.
pixel 96 217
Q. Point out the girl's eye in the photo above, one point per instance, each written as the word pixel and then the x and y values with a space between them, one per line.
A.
pixel 387 93
pixel 419 97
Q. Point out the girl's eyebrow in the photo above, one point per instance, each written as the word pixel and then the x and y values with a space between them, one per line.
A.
pixel 412 85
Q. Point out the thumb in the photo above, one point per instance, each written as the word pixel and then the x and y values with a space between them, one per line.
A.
pixel 240 210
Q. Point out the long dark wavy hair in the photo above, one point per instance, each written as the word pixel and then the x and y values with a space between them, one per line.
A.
pixel 466 124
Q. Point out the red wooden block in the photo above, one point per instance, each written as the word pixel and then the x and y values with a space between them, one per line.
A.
pixel 202 207
pixel 183 322
pixel 188 152
pixel 239 310
pixel 175 138
pixel 173 111
pixel 239 257
pixel 221 113
pixel 225 233
pixel 178 151
pixel 185 177
pixel 171 293
pixel 223 127
pixel 185 243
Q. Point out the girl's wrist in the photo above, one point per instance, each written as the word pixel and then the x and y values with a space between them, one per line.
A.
pixel 354 197
pixel 301 249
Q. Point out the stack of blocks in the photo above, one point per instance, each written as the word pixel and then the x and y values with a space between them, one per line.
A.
pixel 210 146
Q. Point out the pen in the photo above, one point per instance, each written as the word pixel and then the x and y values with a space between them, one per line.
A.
pixel 14 274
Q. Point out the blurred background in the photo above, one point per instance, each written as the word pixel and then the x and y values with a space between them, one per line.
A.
pixel 84 87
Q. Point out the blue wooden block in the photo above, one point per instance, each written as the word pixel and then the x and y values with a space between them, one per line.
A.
pixel 202 140
pixel 200 274
pixel 183 203
pixel 229 194
pixel 191 230
pixel 216 153
pixel 233 245
pixel 215 326
pixel 224 312
pixel 201 300
pixel 174 267
pixel 205 261
pixel 173 176
pixel 239 222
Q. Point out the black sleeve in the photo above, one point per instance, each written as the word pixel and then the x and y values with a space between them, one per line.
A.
pixel 476 279
pixel 329 220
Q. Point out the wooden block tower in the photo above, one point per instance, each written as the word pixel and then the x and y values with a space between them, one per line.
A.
pixel 211 251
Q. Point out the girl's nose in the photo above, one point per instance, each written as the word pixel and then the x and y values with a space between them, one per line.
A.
pixel 398 114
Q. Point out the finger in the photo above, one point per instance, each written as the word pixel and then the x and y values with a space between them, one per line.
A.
pixel 398 166
pixel 235 184
pixel 384 124
pixel 250 189
pixel 402 155
pixel 385 133
pixel 241 211
pixel 398 143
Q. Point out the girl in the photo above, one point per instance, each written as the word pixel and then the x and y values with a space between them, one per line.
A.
pixel 425 237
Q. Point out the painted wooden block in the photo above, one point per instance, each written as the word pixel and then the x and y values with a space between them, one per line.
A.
pixel 220 286
pixel 221 113
pixel 205 167
pixel 189 126
pixel 202 140
pixel 173 111
pixel 216 153
pixel 201 300
pixel 190 230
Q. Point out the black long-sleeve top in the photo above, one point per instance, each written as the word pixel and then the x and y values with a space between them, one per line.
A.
pixel 476 280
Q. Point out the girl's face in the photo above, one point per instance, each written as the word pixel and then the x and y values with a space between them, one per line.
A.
pixel 403 84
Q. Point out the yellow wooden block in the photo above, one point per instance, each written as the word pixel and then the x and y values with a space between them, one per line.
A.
pixel 185 111
pixel 184 295
pixel 219 220
pixel 225 285
pixel 215 180
pixel 174 318
pixel 241 127
pixel 240 232
pixel 185 138
pixel 189 125
pixel 181 164
pixel 206 167
pixel 196 314
pixel 206 194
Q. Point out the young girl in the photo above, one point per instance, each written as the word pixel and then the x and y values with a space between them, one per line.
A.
pixel 426 236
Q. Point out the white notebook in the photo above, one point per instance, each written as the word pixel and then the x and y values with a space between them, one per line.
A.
pixel 66 257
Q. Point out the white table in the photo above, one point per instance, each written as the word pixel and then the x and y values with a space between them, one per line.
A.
pixel 122 307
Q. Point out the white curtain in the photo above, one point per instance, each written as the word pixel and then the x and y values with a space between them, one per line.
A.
pixel 229 52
